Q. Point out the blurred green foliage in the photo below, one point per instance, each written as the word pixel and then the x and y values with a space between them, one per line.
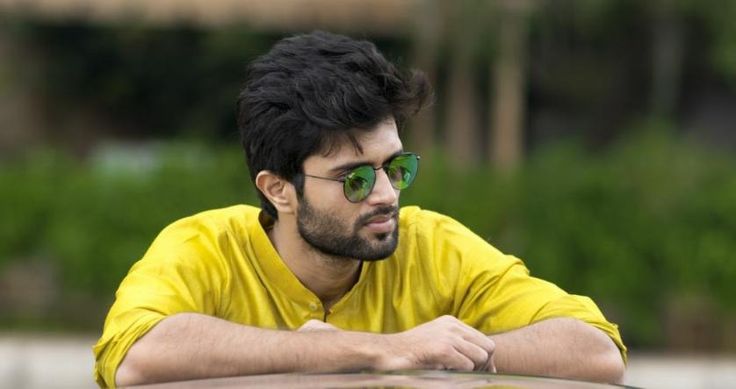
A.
pixel 91 221
pixel 644 222
pixel 637 227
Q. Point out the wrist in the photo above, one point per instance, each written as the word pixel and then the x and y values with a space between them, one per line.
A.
pixel 387 355
pixel 348 350
pixel 376 351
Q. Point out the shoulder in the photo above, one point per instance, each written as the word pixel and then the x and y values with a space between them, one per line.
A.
pixel 440 238
pixel 197 250
pixel 444 256
pixel 236 218
pixel 240 215
pixel 415 216
pixel 211 231
pixel 422 223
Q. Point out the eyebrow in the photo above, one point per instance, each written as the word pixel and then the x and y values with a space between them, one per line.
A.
pixel 352 165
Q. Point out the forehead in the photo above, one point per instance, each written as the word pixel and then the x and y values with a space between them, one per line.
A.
pixel 375 146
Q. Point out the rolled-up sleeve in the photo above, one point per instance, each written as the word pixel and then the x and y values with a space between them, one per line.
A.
pixel 180 273
pixel 500 295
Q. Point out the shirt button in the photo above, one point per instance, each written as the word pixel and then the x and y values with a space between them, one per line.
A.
pixel 313 306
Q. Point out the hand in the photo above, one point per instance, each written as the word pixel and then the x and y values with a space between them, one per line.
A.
pixel 445 343
pixel 317 325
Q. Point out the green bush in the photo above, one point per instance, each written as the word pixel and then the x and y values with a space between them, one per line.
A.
pixel 91 222
pixel 636 227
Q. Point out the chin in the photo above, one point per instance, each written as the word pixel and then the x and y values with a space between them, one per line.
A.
pixel 383 247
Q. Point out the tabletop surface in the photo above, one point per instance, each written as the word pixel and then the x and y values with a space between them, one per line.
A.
pixel 397 379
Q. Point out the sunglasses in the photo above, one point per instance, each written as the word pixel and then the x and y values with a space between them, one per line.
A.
pixel 358 183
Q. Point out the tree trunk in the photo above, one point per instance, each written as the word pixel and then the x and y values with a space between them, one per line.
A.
pixel 462 124
pixel 667 55
pixel 424 58
pixel 508 105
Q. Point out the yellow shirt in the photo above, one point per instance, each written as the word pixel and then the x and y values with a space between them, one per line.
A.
pixel 222 263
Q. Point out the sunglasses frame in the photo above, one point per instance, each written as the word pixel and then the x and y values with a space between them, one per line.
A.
pixel 385 167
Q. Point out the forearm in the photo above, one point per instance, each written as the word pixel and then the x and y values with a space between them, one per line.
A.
pixel 189 346
pixel 561 347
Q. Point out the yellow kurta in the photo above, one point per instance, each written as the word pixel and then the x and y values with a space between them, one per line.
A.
pixel 221 263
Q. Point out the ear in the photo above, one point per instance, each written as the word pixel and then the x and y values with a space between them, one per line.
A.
pixel 277 190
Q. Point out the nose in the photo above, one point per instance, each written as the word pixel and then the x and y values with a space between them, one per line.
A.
pixel 383 193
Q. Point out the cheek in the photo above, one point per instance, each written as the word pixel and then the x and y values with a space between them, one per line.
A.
pixel 327 195
pixel 340 208
pixel 330 199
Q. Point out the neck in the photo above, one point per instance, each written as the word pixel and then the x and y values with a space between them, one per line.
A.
pixel 328 277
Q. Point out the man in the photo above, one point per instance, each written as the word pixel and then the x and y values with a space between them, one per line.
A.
pixel 330 275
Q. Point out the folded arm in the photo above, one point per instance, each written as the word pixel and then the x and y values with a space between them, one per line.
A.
pixel 190 346
pixel 560 347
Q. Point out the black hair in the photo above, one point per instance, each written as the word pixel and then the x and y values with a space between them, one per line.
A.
pixel 311 90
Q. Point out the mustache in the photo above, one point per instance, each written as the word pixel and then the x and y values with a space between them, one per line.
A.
pixel 384 210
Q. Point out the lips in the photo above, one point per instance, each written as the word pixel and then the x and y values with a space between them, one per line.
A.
pixel 379 219
pixel 381 223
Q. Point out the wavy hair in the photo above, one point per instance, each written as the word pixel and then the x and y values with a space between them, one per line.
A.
pixel 311 91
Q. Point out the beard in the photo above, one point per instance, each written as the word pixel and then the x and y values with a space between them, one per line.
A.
pixel 333 236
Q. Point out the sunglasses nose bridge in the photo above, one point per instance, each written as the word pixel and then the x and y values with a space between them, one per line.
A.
pixel 383 190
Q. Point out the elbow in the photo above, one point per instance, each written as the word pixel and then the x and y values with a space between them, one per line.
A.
pixel 615 369
pixel 603 367
pixel 609 367
pixel 131 370
pixel 126 375
pixel 606 360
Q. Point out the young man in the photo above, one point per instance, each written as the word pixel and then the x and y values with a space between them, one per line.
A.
pixel 330 275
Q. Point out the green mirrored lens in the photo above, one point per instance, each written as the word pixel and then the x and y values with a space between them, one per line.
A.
pixel 359 183
pixel 402 170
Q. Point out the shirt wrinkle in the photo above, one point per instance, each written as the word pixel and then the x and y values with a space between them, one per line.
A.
pixel 234 262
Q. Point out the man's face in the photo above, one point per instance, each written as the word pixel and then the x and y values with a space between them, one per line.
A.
pixel 367 230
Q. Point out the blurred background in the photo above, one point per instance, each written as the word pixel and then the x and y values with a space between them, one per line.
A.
pixel 595 139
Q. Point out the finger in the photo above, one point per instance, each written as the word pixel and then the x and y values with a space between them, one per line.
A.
pixel 492 366
pixel 469 334
pixel 444 355
pixel 478 338
pixel 474 353
pixel 457 360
